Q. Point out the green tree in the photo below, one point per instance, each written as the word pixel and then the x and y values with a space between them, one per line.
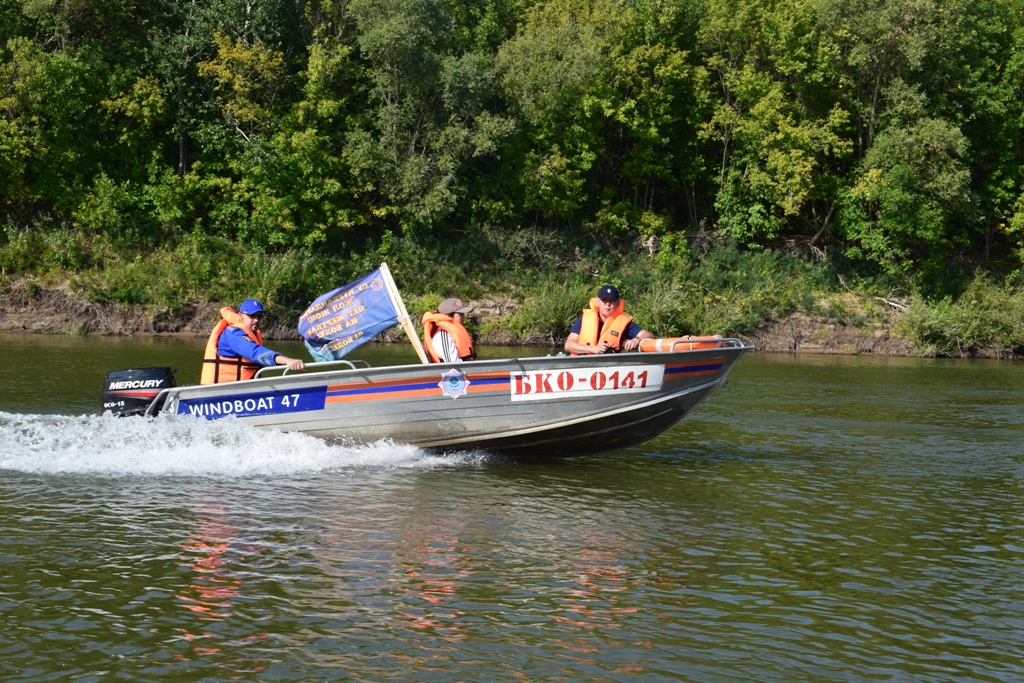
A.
pixel 554 71
pixel 426 111
pixel 22 135
pixel 974 82
pixel 607 95
pixel 938 126
pixel 778 124
pixel 913 189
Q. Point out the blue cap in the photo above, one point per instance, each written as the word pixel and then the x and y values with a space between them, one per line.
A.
pixel 251 307
pixel 608 292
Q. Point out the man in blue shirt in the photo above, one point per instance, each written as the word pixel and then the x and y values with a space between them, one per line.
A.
pixel 235 349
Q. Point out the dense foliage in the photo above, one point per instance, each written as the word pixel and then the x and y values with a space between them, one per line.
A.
pixel 882 137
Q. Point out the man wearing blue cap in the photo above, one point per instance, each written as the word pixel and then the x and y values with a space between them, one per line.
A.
pixel 605 327
pixel 235 348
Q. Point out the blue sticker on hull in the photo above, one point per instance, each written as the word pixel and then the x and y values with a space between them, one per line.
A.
pixel 257 403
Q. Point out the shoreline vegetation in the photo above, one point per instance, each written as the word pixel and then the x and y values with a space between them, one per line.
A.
pixel 774 301
pixel 832 175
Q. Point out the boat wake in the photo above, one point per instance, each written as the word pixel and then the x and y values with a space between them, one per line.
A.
pixel 178 445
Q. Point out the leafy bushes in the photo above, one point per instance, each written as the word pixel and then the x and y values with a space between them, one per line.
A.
pixel 43 247
pixel 726 291
pixel 985 317
pixel 200 268
pixel 550 309
pixel 702 288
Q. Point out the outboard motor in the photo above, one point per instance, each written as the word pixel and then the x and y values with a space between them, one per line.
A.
pixel 130 392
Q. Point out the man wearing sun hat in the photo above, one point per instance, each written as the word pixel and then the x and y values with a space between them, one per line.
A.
pixel 235 348
pixel 605 327
pixel 444 337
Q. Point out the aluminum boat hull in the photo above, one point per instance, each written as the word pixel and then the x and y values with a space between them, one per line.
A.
pixel 538 406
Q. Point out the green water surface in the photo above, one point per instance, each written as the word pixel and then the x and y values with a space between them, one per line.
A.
pixel 818 519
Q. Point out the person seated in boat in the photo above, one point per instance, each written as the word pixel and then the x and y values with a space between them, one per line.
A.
pixel 235 349
pixel 444 336
pixel 605 327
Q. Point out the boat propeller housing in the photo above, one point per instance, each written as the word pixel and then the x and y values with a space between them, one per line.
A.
pixel 130 392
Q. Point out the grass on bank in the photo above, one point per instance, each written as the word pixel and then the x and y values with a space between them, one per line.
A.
pixel 986 316
pixel 724 291
pixel 702 287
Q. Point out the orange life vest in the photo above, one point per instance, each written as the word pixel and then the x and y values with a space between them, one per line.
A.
pixel 432 320
pixel 218 369
pixel 612 329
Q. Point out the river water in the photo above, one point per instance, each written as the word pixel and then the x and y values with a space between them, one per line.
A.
pixel 818 519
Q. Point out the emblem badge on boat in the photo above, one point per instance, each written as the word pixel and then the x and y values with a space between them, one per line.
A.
pixel 453 383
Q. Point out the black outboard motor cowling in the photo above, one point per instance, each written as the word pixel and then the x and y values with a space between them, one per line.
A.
pixel 130 392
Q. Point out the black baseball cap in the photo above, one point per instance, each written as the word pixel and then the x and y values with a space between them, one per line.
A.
pixel 608 292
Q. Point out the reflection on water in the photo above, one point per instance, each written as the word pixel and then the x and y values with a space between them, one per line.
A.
pixel 218 588
pixel 818 519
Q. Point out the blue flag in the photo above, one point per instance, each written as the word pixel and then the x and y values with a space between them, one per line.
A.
pixel 348 316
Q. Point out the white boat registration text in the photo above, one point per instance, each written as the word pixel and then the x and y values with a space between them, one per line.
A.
pixel 539 385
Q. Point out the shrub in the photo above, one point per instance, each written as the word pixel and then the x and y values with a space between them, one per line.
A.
pixel 551 310
pixel 985 316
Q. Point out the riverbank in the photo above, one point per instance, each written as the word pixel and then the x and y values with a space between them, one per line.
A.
pixel 844 328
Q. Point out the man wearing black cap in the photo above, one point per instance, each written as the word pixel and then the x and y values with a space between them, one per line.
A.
pixel 235 348
pixel 444 337
pixel 604 327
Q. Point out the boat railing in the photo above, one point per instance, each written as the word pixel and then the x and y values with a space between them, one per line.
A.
pixel 154 407
pixel 732 343
pixel 352 364
pixel 151 409
pixel 700 343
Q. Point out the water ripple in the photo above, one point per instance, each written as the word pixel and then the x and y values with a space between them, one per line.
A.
pixel 808 524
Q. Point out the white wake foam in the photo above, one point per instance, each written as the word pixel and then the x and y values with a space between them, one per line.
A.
pixel 181 445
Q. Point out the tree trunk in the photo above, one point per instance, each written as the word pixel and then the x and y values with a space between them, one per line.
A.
pixel 182 156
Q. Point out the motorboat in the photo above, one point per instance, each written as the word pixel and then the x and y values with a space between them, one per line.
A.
pixel 554 405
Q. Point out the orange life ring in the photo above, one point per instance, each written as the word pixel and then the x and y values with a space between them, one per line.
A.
pixel 680 344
